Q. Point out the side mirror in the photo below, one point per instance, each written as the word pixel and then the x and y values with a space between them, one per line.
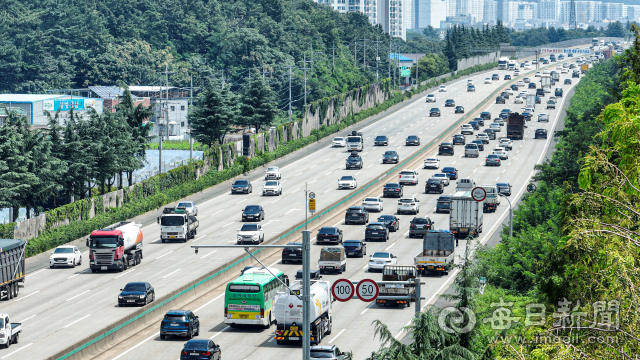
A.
pixel 370 255
pixel 120 289
pixel 87 243
pixel 158 220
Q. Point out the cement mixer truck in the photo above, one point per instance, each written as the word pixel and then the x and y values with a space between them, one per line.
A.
pixel 289 313
pixel 115 247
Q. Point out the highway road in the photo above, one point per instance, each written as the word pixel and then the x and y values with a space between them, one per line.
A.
pixel 58 307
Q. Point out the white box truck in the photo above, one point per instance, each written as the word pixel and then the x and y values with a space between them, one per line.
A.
pixel 465 216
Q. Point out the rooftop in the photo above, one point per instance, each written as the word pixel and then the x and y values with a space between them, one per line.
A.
pixel 399 57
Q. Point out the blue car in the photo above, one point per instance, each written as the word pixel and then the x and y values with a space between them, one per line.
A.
pixel 200 349
pixel 451 172
pixel 241 186
pixel 355 248
pixel 179 323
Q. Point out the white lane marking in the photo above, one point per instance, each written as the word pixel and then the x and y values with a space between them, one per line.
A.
pixel 327 160
pixel 414 195
pixel 198 238
pixel 27 318
pixel 82 293
pixel 125 273
pixel 228 224
pixel 140 343
pixel 82 318
pixel 217 212
pixel 504 170
pixel 283 181
pixel 338 223
pixel 453 162
pixel 335 337
pixel 150 225
pixel 220 332
pixel 81 272
pixel 201 307
pixel 370 166
pixel 171 273
pixel 367 308
pixel 509 163
pixel 313 166
pixel 389 247
pixel 209 254
pixel 326 191
pixel 298 174
pixel 241 201
pixel 161 256
pixel 405 234
pixel 366 266
pixel 295 190
pixel 313 181
pixel 357 173
pixel 291 211
pixel 276 200
pixel 474 170
pixel 24 297
pixel 37 272
pixel 497 178
pixel 329 173
pixel 22 348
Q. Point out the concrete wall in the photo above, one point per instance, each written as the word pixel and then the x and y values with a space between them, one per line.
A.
pixel 478 60
pixel 526 52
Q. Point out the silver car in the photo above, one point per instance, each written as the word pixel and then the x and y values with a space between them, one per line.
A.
pixel 190 207
pixel 495 127
pixel 543 117
pixel 492 160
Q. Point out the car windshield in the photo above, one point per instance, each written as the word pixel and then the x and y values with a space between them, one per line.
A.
pixel 63 251
pixel 502 185
pixel 321 354
pixel 440 175
pixel 381 137
pixel 104 242
pixel 196 345
pixel 184 204
pixel 493 156
pixel 174 317
pixel 241 182
pixel 271 183
pixel 431 160
pixel 169 220
pixel 448 169
pixel 249 227
pixel 419 221
pixel 354 211
pixel 433 181
pixel 372 199
pixel 252 208
pixel 386 218
pixel 405 200
pixel 375 226
pixel 346 178
pixel 392 186
pixel 338 139
pixel 381 255
pixel 354 139
pixel 134 287
pixel 412 137
pixel 327 230
pixel 390 153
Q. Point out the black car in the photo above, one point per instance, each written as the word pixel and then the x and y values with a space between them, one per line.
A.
pixel 376 231
pixel 485 115
pixel 507 77
pixel 313 274
pixel 419 226
pixel 479 143
pixel 490 134
pixel 451 172
pixel 527 115
pixel 179 323
pixel 443 204
pixel 136 293
pixel 545 62
pixel 474 124
pixel 355 248
pixel 459 109
pixel 540 92
pixel 354 161
pixel 459 139
pixel 500 100
pixel 449 103
pixel 434 112
pixel 540 133
pixel 390 157
pixel 538 100
pixel 532 85
pixel 392 222
pixel 392 190
pixel 253 213
pixel 381 140
pixel 505 95
pixel 329 234
pixel 241 186
pixel 575 75
pixel 201 349
pixel 495 77
pixel 567 81
pixel 412 140
pixel 471 88
pixel 434 185
pixel 292 254
pixel 479 120
pixel 506 111
pixel 445 148
pixel 356 214
pixel 504 188
pixel 514 87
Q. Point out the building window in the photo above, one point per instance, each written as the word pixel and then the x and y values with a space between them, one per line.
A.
pixel 173 108
pixel 182 108
pixel 182 123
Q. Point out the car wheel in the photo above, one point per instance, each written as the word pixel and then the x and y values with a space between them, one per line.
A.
pixel 74 263
pixel 162 337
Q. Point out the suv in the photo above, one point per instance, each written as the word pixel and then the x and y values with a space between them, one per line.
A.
pixel 500 100
pixel 445 148
pixel 543 117
pixel 467 129
pixel 434 185
pixel 471 150
pixel 329 234
pixel 292 254
pixel 392 189
pixel 459 139
pixel 408 177
pixel 354 161
pixel 495 77
pixel 449 103
pixel 408 204
pixel 443 204
pixel 434 112
pixel 324 352
pixel 376 231
pixel 431 98
pixel 490 133
pixel 485 115
pixel 459 109
pixel 504 188
pixel 480 143
pixel 419 226
pixel 179 323
pixel 381 140
pixel 356 214
pixel 540 133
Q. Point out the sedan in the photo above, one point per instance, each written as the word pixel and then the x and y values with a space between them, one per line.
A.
pixel 329 234
pixel 434 185
pixel 431 98
pixel 459 110
pixel 65 255
pixel 492 160
pixel 449 103
pixel 390 157
pixel 241 186
pixel 442 88
pixel 474 124
pixel 538 74
pixel 253 213
pixel 443 177
pixel 136 293
pixel 289 254
pixel 412 140
pixel 190 207
pixel 379 259
pixel 355 248
pixel 567 81
pixel 520 83
pixel 495 77
pixel 459 139
pixel 392 190
pixel 339 142
pixel 446 148
pixel 200 349
pixel 381 140
pixel 518 100
pixel 392 222
pixel 507 77
pixel 500 100
pixel 419 226
pixel 431 163
pixel 484 138
pixel 543 117
pixel 376 231
pixel 347 182
pixel 373 204
pixel 502 153
pixel 495 127
pixel 451 172
pixel 488 81
pixel 526 80
pixel 434 112
pixel 506 143
pixel 532 85
pixel 471 88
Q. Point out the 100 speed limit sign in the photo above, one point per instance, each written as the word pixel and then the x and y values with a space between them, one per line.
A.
pixel 342 290
pixel 367 290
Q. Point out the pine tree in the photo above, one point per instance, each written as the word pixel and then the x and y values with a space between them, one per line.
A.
pixel 258 107
pixel 213 115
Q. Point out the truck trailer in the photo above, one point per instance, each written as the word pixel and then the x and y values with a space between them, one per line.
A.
pixel 115 247
pixel 515 126
pixel 397 294
pixel 465 216
pixel 12 268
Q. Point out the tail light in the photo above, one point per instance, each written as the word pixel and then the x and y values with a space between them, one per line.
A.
pixel 225 311
pixel 261 313
pixel 414 176
pixel 184 352
pixel 208 353
pixel 413 225
pixel 393 223
pixel 397 189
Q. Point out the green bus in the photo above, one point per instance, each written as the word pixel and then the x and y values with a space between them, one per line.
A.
pixel 249 299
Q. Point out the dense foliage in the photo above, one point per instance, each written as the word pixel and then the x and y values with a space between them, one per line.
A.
pixel 463 42
pixel 541 36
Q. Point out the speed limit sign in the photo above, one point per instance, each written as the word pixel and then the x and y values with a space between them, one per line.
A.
pixel 367 290
pixel 342 290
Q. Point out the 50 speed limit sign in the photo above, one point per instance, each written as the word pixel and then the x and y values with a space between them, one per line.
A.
pixel 367 290
pixel 342 290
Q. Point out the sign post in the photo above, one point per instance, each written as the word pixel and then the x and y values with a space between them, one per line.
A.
pixel 342 290
pixel 478 194
pixel 367 290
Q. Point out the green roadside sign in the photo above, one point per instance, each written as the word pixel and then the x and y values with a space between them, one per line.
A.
pixel 405 72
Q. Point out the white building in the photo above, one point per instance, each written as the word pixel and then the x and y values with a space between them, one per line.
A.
pixel 490 15
pixel 36 106
pixel 613 11
pixel 430 13
pixel 451 7
pixel 477 10
pixel 633 13
pixel 549 10
pixel 527 11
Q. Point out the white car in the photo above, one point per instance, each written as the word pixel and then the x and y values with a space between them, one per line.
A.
pixel 466 129
pixel 518 100
pixel 408 204
pixel 444 177
pixel 538 74
pixel 501 152
pixel 431 98
pixel 431 163
pixel 495 127
pixel 564 71
pixel 546 71
pixel 483 137
pixel 339 142
pixel 516 73
pixel 488 81
pixel 408 177
pixel 526 80
pixel 508 91
pixel 347 182
pixel 250 233
pixel 379 259
pixel 520 83
pixel 65 255
pixel 442 88
pixel 272 187
pixel 273 173
pixel 373 204
pixel 189 206
pixel 470 82
pixel 529 108
pixel 505 143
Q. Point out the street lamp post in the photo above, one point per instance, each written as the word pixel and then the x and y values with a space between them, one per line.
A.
pixel 510 216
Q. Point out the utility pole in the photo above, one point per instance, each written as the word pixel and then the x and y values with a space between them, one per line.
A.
pixel 290 92
pixel 333 56
pixel 377 56
pixel 355 53
pixel 190 105
pixel 364 51
pixel 304 63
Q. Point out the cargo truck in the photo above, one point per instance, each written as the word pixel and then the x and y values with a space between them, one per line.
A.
pixel 288 312
pixel 177 224
pixel 465 215
pixel 492 200
pixel 355 141
pixel 115 247
pixel 436 256
pixel 397 294
pixel 12 268
pixel 9 332
pixel 515 126
pixel 332 258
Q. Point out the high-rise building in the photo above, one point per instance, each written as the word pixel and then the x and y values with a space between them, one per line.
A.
pixel 490 11
pixel 613 11
pixel 502 13
pixel 548 10
pixel 527 11
pixel 430 13
pixel 451 7
pixel 477 10
pixel 633 13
